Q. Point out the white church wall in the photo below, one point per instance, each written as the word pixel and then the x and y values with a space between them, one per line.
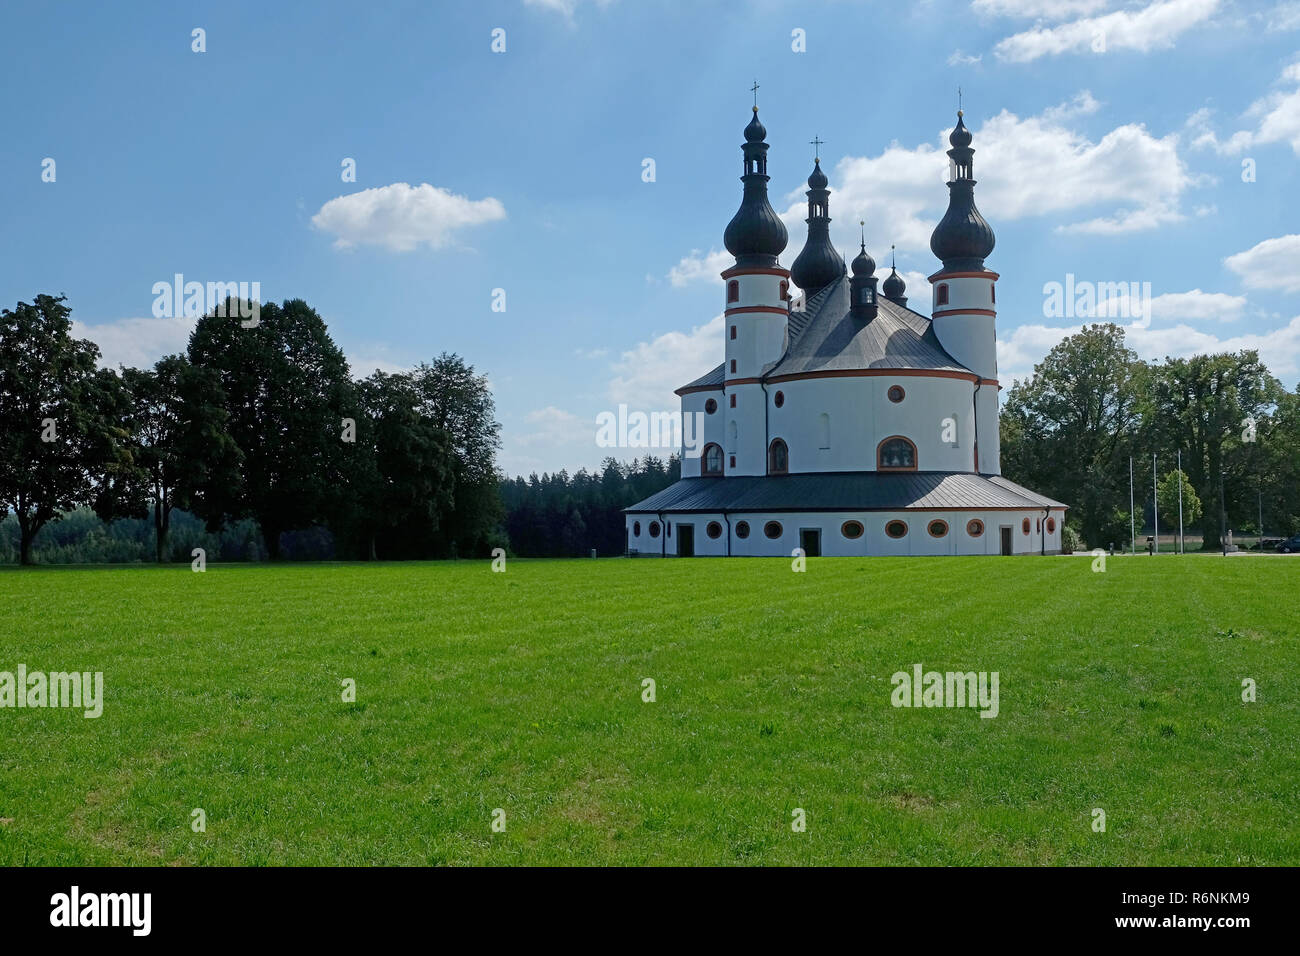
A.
pixel 694 403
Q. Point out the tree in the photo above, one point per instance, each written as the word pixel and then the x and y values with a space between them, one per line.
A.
pixel 59 445
pixel 1167 496
pixel 180 447
pixel 286 393
pixel 1067 431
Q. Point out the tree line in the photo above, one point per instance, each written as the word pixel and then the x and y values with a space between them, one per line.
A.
pixel 257 425
pixel 1069 430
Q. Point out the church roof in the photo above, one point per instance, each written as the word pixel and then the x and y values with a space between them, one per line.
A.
pixel 827 337
pixel 713 379
pixel 843 491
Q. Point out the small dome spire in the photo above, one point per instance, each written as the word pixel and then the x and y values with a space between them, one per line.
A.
pixel 893 286
pixel 961 136
pixel 817 179
pixel 756 235
pixel 755 132
pixel 863 264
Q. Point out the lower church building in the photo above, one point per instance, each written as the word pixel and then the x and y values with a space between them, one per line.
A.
pixel 841 421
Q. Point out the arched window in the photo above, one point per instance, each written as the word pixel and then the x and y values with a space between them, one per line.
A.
pixel 733 291
pixel 778 458
pixel 785 290
pixel 731 429
pixel 937 528
pixel 896 529
pixel 941 294
pixel 896 454
pixel 714 530
pixel 636 529
pixel 733 394
pixel 742 529
pixel 711 461
pixel 974 527
pixel 654 529
pixel 851 529
pixel 772 529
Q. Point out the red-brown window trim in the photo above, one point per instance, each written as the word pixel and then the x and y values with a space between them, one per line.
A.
pixel 704 461
pixel 845 528
pixel 929 528
pixel 892 523
pixel 975 527
pixel 941 294
pixel 733 291
pixel 771 457
pixel 880 448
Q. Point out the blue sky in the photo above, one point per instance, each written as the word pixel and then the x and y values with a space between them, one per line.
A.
pixel 1110 136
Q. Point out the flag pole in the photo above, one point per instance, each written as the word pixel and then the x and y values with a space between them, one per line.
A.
pixel 1182 547
pixel 1132 519
pixel 1155 508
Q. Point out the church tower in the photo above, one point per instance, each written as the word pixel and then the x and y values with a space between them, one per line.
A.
pixel 757 309
pixel 819 264
pixel 965 298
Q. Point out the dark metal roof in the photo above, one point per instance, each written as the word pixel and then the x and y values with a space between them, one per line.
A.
pixel 843 491
pixel 830 338
pixel 713 379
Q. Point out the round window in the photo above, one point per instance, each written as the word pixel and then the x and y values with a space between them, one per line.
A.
pixel 975 527
pixel 710 406
pixel 851 529
pixel 938 528
pixel 896 393
pixel 742 529
pixel 714 530
pixel 896 529
pixel 654 529
pixel 779 400
pixel 772 529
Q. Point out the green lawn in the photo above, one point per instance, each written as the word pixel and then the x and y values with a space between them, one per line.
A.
pixel 522 691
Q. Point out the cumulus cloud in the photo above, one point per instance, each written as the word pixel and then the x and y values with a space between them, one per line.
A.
pixel 1271 264
pixel 1152 27
pixel 958 58
pixel 700 268
pixel 1274 118
pixel 137 343
pixel 1046 9
pixel 646 375
pixel 402 217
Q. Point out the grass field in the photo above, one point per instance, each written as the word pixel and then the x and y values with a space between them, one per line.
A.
pixel 522 691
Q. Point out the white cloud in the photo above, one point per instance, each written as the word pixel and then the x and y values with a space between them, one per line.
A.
pixel 646 375
pixel 1026 167
pixel 1275 119
pixel 1047 9
pixel 401 217
pixel 697 268
pixel 137 343
pixel 1285 16
pixel 1153 27
pixel 957 58
pixel 1191 306
pixel 1271 264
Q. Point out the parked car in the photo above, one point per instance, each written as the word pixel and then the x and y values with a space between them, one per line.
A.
pixel 1289 545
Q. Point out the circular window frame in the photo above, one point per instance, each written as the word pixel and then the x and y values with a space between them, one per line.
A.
pixel 896 523
pixel 742 530
pixel 710 406
pixel 713 529
pixel 896 393
pixel 929 528
pixel 653 529
pixel 975 528
pixel 768 533
pixel 854 534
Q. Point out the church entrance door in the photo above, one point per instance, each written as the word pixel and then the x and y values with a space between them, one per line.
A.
pixel 1006 539
pixel 685 540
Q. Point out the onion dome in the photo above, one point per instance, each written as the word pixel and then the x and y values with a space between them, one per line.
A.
pixel 755 235
pixel 963 239
pixel 863 264
pixel 819 264
pixel 893 287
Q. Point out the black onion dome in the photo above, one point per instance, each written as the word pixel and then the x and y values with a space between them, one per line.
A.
pixel 960 136
pixel 756 235
pixel 818 180
pixel 863 264
pixel 963 239
pixel 893 286
pixel 818 265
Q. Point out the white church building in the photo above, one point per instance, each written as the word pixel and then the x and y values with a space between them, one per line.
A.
pixel 841 421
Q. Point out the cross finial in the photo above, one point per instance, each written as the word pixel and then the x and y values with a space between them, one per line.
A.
pixel 862 232
pixel 959 101
pixel 893 263
pixel 816 143
pixel 754 89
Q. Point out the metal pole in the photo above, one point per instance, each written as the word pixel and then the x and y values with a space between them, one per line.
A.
pixel 1155 505
pixel 1223 518
pixel 1182 546
pixel 1261 521
pixel 1132 518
